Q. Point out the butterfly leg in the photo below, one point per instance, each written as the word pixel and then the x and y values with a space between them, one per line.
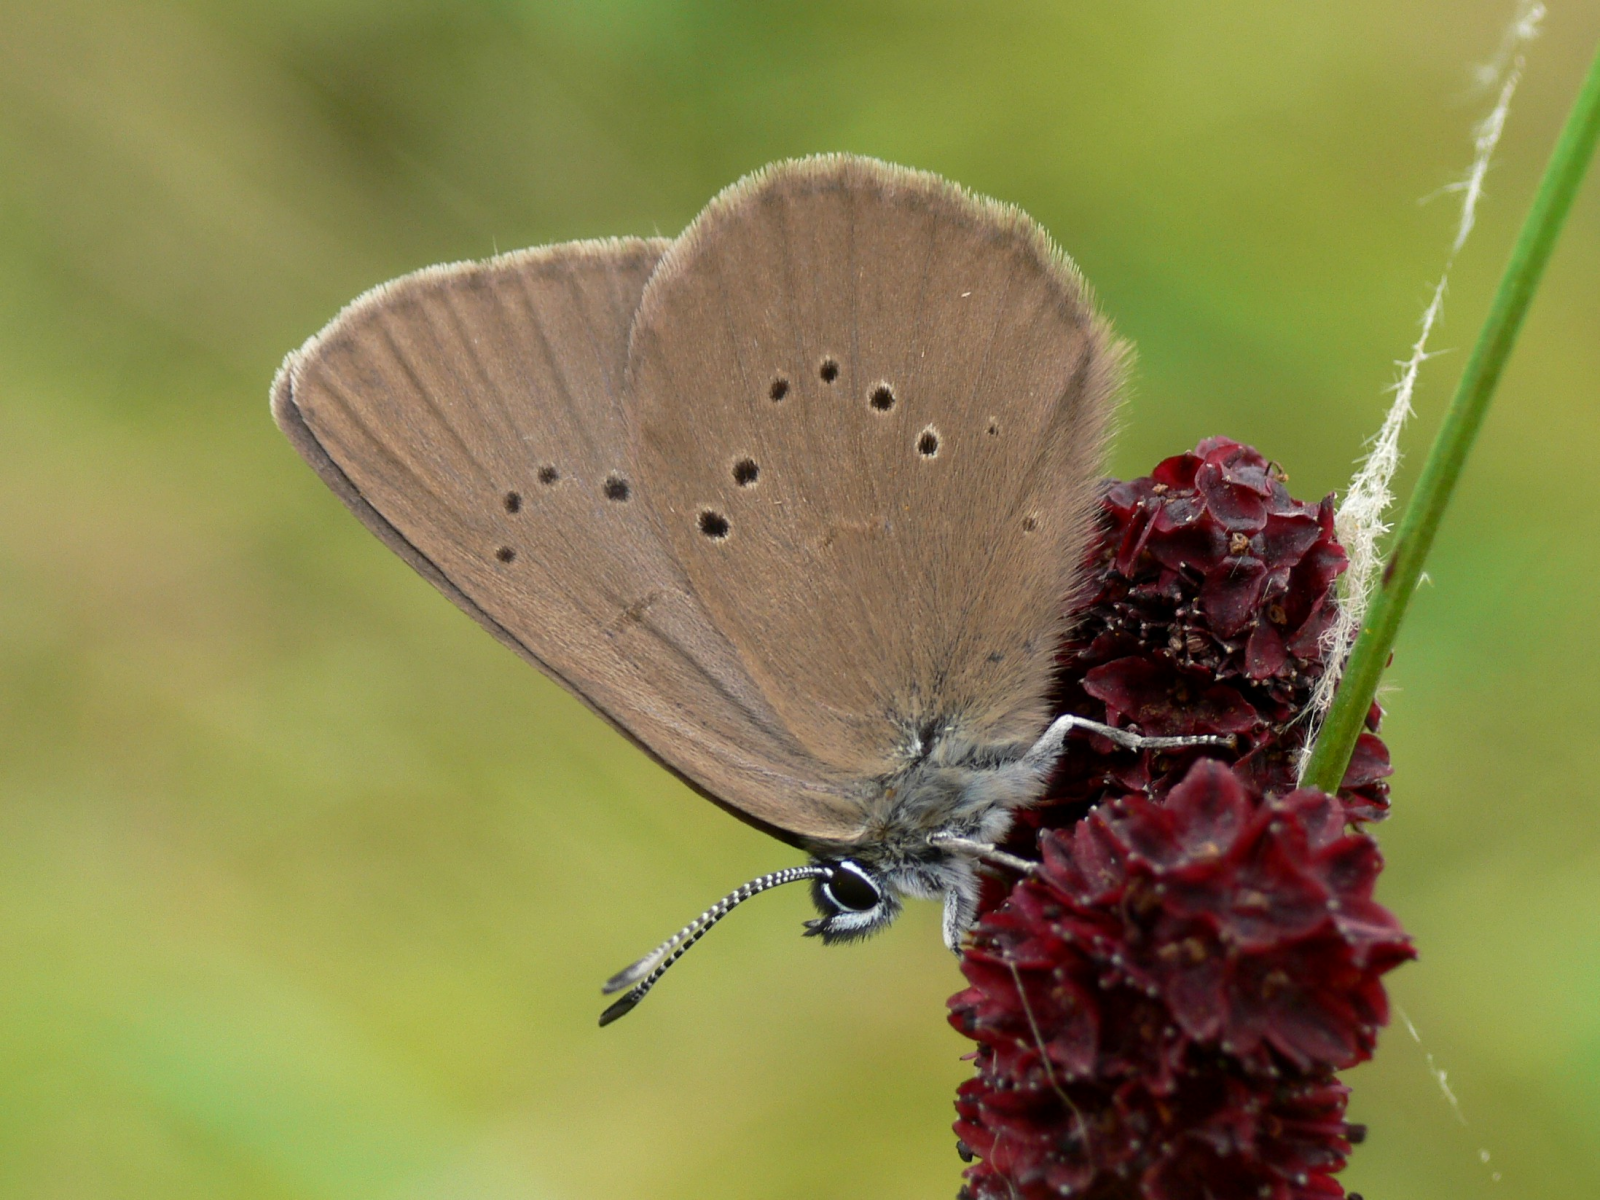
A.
pixel 961 880
pixel 1138 741
pixel 1048 748
pixel 960 910
pixel 986 851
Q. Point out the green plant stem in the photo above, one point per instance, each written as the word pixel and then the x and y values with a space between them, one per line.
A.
pixel 1447 455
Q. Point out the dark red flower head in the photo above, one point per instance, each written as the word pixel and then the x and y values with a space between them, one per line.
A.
pixel 1210 590
pixel 1161 1007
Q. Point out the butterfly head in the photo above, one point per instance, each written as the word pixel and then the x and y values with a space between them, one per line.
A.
pixel 855 900
pixel 929 825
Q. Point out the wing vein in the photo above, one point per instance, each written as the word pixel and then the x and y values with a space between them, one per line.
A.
pixel 427 399
pixel 555 371
pixel 489 384
pixel 337 391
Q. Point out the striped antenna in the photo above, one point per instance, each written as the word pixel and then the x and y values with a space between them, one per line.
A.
pixel 642 975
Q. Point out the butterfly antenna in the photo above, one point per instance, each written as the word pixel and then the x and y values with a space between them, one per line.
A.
pixel 642 975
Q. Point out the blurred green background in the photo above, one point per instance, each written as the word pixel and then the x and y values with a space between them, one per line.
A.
pixel 307 887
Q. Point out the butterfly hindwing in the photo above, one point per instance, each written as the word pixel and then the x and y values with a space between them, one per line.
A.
pixel 871 410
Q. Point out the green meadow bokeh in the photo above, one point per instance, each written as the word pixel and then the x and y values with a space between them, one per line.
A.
pixel 307 886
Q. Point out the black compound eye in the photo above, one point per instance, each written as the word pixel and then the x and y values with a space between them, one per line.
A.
pixel 851 888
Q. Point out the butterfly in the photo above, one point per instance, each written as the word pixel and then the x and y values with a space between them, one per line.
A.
pixel 795 501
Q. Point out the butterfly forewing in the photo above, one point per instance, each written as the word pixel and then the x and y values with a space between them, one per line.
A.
pixel 472 416
pixel 871 411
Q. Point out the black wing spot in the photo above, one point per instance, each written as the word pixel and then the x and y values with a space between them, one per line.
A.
pixel 505 554
pixel 617 488
pixel 829 370
pixel 928 442
pixel 994 427
pixel 746 472
pixel 779 389
pixel 882 398
pixel 548 475
pixel 1030 523
pixel 512 501
pixel 713 524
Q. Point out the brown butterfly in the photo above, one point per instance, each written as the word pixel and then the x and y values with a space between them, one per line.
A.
pixel 793 501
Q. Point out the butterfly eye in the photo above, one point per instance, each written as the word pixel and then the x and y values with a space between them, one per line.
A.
pixel 851 889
